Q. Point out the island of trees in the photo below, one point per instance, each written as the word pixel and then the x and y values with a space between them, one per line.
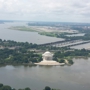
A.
pixel 12 52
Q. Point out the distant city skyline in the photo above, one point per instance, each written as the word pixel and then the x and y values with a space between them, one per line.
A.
pixel 46 10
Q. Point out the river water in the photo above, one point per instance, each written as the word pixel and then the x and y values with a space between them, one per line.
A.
pixel 82 46
pixel 80 34
pixel 75 77
pixel 31 37
pixel 22 36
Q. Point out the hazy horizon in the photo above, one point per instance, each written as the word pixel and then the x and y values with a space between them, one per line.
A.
pixel 42 21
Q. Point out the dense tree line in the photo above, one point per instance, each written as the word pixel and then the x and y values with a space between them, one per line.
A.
pixel 8 56
pixel 10 43
pixel 6 87
pixel 23 54
pixel 75 52
pixel 61 56
pixel 64 35
pixel 24 45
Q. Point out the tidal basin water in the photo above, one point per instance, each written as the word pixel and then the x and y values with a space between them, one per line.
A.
pixel 85 46
pixel 72 35
pixel 75 77
pixel 22 36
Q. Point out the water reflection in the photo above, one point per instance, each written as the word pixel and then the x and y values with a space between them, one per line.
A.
pixel 75 77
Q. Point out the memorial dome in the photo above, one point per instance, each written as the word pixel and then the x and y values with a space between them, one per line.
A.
pixel 47 53
pixel 47 59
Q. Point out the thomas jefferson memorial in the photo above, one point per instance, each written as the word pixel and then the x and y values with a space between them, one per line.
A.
pixel 48 60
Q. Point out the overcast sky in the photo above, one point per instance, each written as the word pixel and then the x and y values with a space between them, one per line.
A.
pixel 45 10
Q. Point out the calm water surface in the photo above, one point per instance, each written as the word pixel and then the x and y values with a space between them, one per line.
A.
pixel 22 36
pixel 80 34
pixel 75 77
pixel 86 46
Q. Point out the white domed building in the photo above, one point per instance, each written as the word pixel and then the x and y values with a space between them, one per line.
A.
pixel 48 59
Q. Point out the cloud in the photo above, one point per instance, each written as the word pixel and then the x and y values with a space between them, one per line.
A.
pixel 54 10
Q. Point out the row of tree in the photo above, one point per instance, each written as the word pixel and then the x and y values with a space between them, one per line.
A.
pixel 6 87
pixel 24 45
pixel 64 35
pixel 25 54
pixel 61 56
pixel 18 56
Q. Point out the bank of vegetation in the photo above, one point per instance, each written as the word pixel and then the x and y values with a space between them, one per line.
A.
pixel 64 35
pixel 12 52
pixel 23 28
pixel 80 28
pixel 68 55
pixel 57 34
pixel 7 87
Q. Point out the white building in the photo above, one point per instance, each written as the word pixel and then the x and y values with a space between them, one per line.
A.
pixel 48 60
pixel 47 56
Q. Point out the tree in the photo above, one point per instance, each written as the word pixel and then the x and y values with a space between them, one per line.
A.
pixel 47 88
pixel 27 88
pixel 1 85
pixel 20 89
pixel 6 88
pixel 62 61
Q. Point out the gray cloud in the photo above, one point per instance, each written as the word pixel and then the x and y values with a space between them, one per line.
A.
pixel 48 10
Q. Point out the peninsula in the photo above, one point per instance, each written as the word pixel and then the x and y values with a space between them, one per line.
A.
pixel 12 52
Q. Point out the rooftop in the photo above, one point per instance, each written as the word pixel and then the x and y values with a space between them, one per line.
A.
pixel 47 53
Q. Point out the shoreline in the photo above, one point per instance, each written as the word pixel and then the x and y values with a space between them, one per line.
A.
pixel 43 30
pixel 35 64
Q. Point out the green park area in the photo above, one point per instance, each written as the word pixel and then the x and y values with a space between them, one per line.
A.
pixel 12 52
pixel 55 33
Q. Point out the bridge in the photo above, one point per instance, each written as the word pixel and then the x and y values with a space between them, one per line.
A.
pixel 65 43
